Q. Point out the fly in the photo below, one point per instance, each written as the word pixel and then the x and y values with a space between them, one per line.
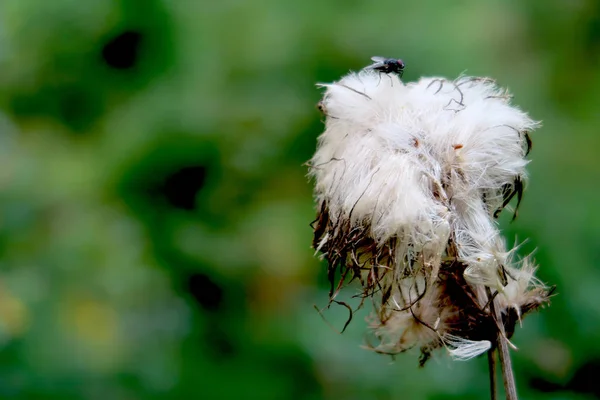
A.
pixel 387 65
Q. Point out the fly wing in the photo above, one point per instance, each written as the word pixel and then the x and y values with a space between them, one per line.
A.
pixel 378 62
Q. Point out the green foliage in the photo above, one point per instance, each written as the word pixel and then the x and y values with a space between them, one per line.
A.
pixel 154 212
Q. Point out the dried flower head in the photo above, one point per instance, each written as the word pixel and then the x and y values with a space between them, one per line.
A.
pixel 409 179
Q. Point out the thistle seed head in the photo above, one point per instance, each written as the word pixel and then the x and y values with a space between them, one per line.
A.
pixel 409 179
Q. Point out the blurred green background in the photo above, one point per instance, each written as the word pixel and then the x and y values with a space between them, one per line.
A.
pixel 154 210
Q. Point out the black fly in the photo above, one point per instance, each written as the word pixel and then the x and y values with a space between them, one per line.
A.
pixel 387 65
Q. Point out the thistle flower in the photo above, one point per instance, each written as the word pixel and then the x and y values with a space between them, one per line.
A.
pixel 409 179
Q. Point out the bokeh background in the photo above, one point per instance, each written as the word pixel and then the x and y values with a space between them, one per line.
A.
pixel 154 210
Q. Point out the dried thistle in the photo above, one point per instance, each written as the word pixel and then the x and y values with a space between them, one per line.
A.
pixel 409 179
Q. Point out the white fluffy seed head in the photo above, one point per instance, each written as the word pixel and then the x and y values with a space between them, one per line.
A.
pixel 386 144
pixel 408 178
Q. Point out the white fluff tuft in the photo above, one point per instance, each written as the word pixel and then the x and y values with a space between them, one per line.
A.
pixel 464 349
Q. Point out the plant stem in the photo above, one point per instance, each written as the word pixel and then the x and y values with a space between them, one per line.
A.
pixel 492 370
pixel 505 363
pixel 507 372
